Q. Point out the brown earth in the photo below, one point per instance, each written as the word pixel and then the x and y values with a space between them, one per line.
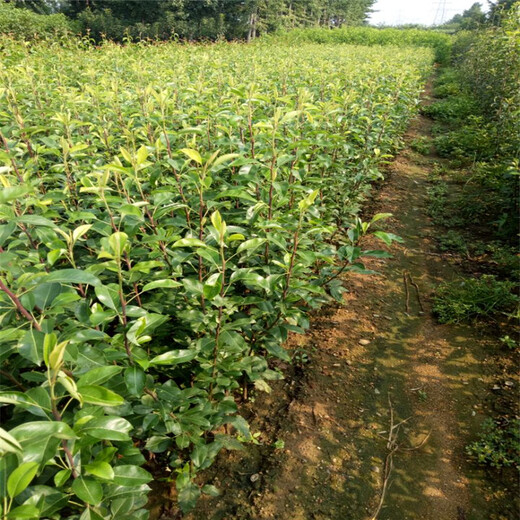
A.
pixel 378 359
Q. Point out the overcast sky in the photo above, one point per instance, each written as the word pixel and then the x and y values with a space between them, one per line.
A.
pixel 392 12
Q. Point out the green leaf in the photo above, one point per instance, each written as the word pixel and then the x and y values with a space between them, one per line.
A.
pixel 21 477
pixel 135 379
pixel 99 375
pixel 387 238
pixel 126 154
pixel 111 428
pixel 90 514
pixel 45 293
pixel 42 429
pixel 210 490
pixel 31 346
pixel 102 396
pixel 174 357
pixel 218 223
pixel 251 245
pixel 130 475
pixel 158 443
pixel 162 284
pixel 380 216
pixel 70 276
pixel 13 192
pixel 241 425
pixel 213 286
pixel 199 455
pixel 189 242
pixel 8 444
pixel 80 231
pixel 61 477
pixel 100 469
pixel 88 490
pixel 142 155
pixel 192 154
pixel 108 296
pixel 188 496
pixel 17 398
pixel 225 158
pixel 25 511
pixel 40 449
pixel 118 242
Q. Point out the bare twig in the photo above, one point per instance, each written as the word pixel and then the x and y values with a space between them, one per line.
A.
pixel 405 280
pixel 6 374
pixel 393 447
pixel 418 292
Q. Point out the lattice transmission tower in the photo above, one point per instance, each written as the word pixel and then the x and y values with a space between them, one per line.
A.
pixel 443 7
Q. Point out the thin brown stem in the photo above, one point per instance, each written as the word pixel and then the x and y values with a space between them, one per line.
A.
pixel 21 309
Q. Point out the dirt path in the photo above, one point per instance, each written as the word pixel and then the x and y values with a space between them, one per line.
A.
pixel 374 355
pixel 429 375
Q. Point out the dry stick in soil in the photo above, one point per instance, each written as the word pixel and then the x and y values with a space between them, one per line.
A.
pixel 393 447
pixel 405 280
pixel 417 290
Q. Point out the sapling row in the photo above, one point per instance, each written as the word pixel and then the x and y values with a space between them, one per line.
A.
pixel 169 215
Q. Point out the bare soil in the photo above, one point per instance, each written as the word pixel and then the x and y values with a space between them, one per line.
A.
pixel 380 353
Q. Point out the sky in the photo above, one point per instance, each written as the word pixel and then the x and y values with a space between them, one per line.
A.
pixel 395 12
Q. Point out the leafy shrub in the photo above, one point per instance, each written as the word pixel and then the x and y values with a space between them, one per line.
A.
pixel 491 70
pixel 447 84
pixel 25 24
pixel 470 143
pixel 166 221
pixel 421 145
pixel 464 300
pixel 454 109
pixel 499 444
pixel 452 241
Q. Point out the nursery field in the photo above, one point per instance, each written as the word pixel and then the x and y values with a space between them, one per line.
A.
pixel 168 215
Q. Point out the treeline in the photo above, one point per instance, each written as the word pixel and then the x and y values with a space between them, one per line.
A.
pixel 476 18
pixel 198 19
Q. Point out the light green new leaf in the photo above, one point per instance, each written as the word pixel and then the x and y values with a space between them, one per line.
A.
pixel 161 284
pixel 174 357
pixel 192 154
pixel 80 231
pixel 21 477
pixel 99 395
pixel 8 444
pixel 189 242
pixel 41 429
pixel 100 469
pixel 251 245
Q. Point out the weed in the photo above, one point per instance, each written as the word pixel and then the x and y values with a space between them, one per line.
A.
pixel 452 241
pixel 510 343
pixel 469 298
pixel 423 396
pixel 421 145
pixel 452 109
pixel 499 444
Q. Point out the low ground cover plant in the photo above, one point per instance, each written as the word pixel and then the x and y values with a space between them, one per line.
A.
pixel 498 445
pixel 464 300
